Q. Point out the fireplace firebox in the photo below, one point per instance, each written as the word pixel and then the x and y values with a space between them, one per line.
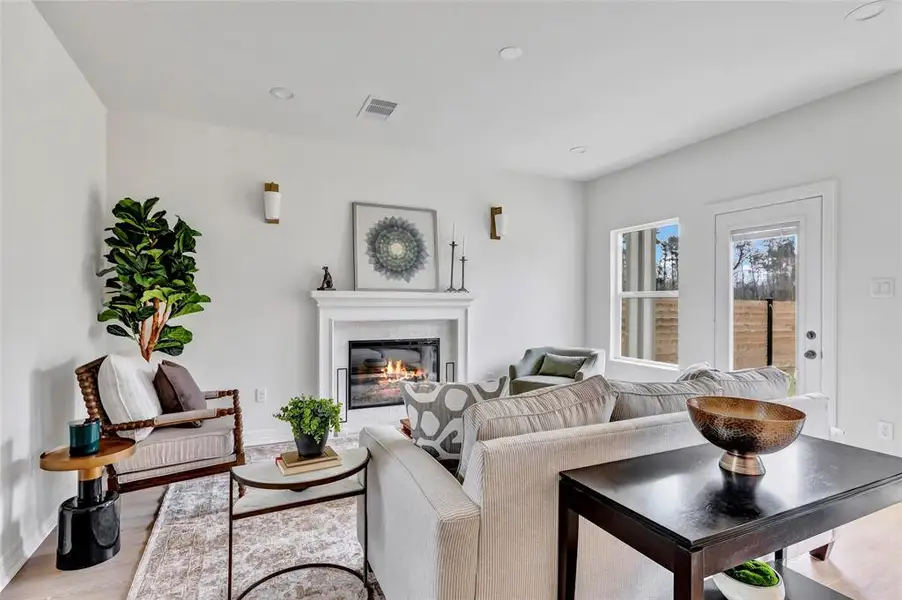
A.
pixel 378 368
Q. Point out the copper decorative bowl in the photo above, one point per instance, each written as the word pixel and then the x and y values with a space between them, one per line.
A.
pixel 745 429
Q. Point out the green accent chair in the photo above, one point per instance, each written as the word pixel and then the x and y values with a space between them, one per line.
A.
pixel 525 374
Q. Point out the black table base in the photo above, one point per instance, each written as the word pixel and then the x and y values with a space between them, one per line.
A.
pixel 361 576
pixel 88 527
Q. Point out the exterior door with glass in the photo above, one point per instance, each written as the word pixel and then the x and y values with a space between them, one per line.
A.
pixel 770 292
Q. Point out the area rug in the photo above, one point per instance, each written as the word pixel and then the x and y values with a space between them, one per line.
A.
pixel 186 557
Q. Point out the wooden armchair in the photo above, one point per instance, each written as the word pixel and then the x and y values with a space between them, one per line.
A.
pixel 169 454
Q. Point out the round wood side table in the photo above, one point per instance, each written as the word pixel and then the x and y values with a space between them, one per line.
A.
pixel 89 522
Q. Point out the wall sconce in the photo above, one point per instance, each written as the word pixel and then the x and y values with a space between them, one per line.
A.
pixel 272 202
pixel 499 223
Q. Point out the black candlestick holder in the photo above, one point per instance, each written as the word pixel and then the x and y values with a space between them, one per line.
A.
pixel 451 288
pixel 463 275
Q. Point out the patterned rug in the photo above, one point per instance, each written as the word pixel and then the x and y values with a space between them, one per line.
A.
pixel 186 557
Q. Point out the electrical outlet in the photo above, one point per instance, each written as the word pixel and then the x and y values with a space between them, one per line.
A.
pixel 883 288
pixel 884 430
pixel 261 395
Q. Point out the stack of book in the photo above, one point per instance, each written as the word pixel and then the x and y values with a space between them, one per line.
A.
pixel 292 464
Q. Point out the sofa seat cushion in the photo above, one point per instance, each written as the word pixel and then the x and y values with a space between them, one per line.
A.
pixel 761 383
pixel 587 402
pixel 536 382
pixel 125 385
pixel 436 413
pixel 635 400
pixel 169 446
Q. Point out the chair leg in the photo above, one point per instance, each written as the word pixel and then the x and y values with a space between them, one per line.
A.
pixel 822 553
pixel 241 490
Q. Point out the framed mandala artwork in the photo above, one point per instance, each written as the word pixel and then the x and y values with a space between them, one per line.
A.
pixel 395 248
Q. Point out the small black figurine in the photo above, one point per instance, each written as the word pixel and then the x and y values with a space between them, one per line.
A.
pixel 327 281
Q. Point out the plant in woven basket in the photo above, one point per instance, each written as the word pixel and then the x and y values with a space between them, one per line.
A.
pixel 154 278
pixel 311 420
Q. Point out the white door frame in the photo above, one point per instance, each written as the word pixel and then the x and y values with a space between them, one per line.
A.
pixel 827 191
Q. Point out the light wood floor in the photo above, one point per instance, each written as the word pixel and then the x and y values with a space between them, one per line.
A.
pixel 864 564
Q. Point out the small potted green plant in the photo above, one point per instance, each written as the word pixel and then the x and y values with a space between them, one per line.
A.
pixel 752 580
pixel 311 419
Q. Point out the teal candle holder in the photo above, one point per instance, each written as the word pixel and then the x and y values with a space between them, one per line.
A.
pixel 84 437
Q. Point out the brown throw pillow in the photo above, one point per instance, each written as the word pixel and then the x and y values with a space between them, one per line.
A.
pixel 177 390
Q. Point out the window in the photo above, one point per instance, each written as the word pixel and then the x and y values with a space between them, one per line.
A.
pixel 646 300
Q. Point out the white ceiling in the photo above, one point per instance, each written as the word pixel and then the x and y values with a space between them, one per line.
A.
pixel 629 80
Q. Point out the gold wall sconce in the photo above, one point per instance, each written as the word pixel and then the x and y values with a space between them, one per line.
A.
pixel 498 223
pixel 272 202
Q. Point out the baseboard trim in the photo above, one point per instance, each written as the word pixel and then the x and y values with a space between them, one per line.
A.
pixel 13 559
pixel 259 437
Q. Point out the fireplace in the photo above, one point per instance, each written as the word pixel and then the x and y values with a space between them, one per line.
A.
pixel 378 368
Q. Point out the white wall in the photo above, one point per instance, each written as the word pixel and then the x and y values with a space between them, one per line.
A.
pixel 260 329
pixel 54 176
pixel 854 137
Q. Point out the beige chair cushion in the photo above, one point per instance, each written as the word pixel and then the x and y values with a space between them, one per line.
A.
pixel 586 402
pixel 635 400
pixel 170 446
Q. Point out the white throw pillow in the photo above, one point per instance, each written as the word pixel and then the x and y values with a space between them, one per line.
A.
pixel 127 394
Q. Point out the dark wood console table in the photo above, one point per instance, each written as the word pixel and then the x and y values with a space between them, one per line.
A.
pixel 681 510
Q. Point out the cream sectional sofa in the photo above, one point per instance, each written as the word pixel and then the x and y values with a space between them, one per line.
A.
pixel 494 536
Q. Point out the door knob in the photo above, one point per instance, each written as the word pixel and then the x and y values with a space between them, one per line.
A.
pixel 810 354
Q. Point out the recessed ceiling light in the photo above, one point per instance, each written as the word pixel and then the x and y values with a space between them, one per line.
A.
pixel 579 149
pixel 867 11
pixel 281 93
pixel 510 53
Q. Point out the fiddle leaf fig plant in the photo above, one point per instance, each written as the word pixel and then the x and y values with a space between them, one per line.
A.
pixel 152 280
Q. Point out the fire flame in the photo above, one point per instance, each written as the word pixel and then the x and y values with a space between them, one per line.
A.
pixel 395 369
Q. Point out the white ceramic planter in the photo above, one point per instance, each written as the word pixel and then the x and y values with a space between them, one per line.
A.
pixel 736 590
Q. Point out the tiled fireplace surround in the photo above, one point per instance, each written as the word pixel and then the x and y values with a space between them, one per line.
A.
pixel 345 316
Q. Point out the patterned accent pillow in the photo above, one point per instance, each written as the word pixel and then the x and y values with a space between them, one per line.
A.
pixel 436 412
pixel 761 383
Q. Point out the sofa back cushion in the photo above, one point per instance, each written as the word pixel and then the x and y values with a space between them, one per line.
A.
pixel 436 412
pixel 761 383
pixel 125 384
pixel 587 402
pixel 635 400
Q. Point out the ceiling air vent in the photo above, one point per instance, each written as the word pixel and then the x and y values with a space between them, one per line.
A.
pixel 374 108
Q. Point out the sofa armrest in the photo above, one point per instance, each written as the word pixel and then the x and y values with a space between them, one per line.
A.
pixel 593 366
pixel 236 410
pixel 527 365
pixel 817 413
pixel 190 416
pixel 423 530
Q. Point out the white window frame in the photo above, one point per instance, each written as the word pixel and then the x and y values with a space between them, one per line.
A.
pixel 618 295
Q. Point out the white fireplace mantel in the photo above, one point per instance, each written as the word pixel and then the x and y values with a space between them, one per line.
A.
pixel 342 313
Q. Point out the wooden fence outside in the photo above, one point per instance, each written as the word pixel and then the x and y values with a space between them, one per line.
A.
pixel 749 332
